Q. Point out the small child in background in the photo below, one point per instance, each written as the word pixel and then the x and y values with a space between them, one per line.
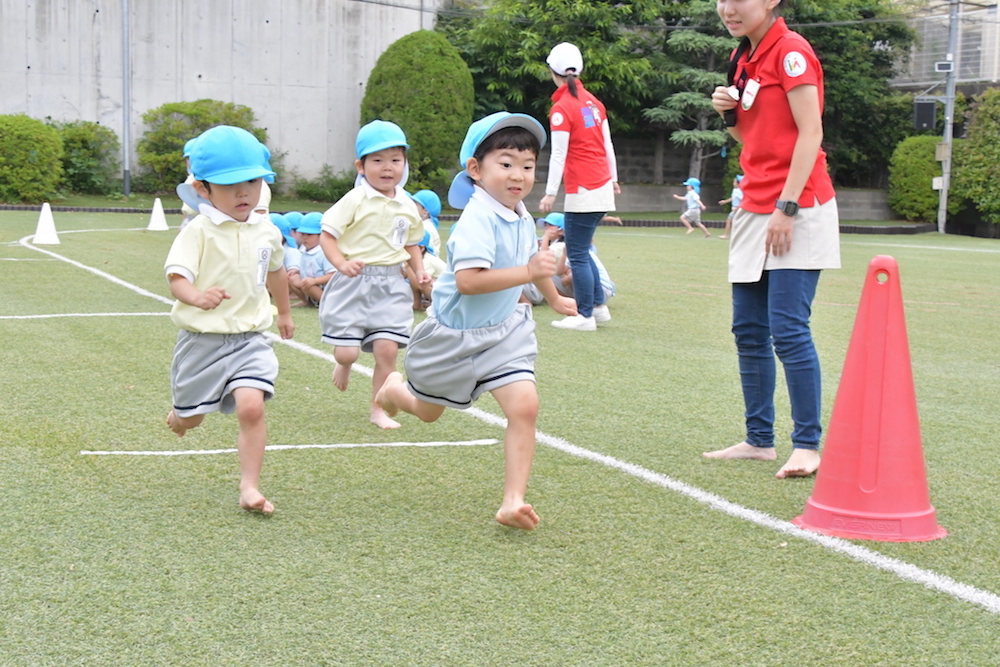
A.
pixel 293 256
pixel 477 337
pixel 693 206
pixel 294 219
pixel 368 235
pixel 188 210
pixel 315 270
pixel 429 208
pixel 222 360
pixel 736 197
pixel 552 226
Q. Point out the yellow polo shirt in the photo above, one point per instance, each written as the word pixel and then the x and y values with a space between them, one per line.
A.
pixel 374 228
pixel 214 250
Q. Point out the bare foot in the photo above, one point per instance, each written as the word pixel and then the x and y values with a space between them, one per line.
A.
pixel 381 419
pixel 723 236
pixel 253 501
pixel 743 450
pixel 173 421
pixel 522 516
pixel 689 231
pixel 707 235
pixel 341 376
pixel 382 398
pixel 802 463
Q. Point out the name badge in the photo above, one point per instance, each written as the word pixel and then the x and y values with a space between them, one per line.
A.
pixel 749 94
pixel 263 261
pixel 399 227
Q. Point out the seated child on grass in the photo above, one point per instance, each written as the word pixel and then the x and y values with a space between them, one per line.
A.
pixel 315 270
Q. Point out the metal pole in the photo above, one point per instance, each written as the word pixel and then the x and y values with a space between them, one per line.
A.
pixel 126 100
pixel 949 113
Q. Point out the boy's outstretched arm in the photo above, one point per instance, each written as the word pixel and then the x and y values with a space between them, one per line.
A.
pixel 184 291
pixel 277 283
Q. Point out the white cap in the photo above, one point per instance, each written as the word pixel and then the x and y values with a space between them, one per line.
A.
pixel 564 57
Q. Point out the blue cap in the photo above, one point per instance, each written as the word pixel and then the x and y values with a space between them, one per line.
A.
pixel 554 218
pixel 431 203
pixel 189 146
pixel 426 242
pixel 279 221
pixel 694 183
pixel 227 155
pixel 311 223
pixel 739 178
pixel 294 219
pixel 462 187
pixel 379 135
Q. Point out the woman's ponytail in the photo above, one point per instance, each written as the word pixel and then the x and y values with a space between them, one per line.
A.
pixel 571 82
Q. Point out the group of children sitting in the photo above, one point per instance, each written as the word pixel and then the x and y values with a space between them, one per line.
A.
pixel 374 251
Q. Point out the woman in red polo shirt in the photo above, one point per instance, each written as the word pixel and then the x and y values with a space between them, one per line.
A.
pixel 583 158
pixel 786 230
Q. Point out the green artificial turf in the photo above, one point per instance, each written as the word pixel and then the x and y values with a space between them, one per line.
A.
pixel 390 555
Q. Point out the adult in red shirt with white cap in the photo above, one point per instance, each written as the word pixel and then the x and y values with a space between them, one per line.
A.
pixel 786 230
pixel 583 158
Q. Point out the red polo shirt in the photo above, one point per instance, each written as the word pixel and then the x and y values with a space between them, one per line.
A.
pixel 783 60
pixel 583 117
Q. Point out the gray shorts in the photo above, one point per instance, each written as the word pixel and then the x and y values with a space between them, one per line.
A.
pixel 207 367
pixel 531 292
pixel 453 367
pixel 693 215
pixel 355 312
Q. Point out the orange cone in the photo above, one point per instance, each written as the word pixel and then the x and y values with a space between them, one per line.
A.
pixel 872 484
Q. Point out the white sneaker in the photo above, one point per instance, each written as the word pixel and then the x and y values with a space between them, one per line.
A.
pixel 602 314
pixel 576 323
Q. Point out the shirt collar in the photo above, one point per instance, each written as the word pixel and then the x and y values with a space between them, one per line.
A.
pixel 563 90
pixel 487 199
pixel 218 217
pixel 371 192
pixel 774 33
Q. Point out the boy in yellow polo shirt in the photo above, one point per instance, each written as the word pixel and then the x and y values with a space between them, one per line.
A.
pixel 368 235
pixel 220 268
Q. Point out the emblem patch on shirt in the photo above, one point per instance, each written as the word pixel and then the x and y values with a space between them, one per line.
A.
pixel 795 64
pixel 263 262
pixel 557 119
pixel 591 115
pixel 399 225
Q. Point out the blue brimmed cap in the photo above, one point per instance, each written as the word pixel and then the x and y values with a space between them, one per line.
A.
pixel 227 155
pixel 462 187
pixel 294 219
pixel 377 136
pixel 554 218
pixel 311 223
pixel 431 203
pixel 426 242
pixel 279 221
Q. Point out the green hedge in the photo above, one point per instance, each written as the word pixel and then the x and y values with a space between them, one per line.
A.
pixel 30 160
pixel 977 160
pixel 912 169
pixel 91 162
pixel 327 187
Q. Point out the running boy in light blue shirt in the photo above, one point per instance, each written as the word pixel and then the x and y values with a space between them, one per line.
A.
pixel 477 338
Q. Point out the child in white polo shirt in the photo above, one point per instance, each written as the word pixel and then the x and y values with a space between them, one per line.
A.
pixel 368 235
pixel 478 338
pixel 221 267
pixel 315 270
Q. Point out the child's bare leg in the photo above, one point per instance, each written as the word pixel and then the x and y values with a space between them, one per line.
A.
pixel 250 444
pixel 729 224
pixel 180 425
pixel 385 352
pixel 743 450
pixel 519 402
pixel 315 293
pixel 703 228
pixel 802 463
pixel 345 356
pixel 687 224
pixel 394 396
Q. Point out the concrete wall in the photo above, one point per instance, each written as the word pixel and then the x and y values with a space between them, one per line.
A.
pixel 301 65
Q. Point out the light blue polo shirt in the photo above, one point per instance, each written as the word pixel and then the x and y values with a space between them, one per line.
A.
pixel 488 235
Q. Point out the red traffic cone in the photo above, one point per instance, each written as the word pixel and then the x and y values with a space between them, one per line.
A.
pixel 872 484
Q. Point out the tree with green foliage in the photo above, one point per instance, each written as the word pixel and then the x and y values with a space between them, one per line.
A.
pixel 161 149
pixel 30 160
pixel 422 84
pixel 912 169
pixel 505 44
pixel 976 172
pixel 90 157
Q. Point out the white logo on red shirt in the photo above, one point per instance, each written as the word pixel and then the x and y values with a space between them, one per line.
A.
pixel 557 119
pixel 795 64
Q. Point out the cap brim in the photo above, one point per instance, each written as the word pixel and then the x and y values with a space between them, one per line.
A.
pixel 190 197
pixel 461 190
pixel 520 120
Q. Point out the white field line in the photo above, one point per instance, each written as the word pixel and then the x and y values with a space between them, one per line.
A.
pixel 277 448
pixel 24 259
pixel 903 570
pixel 46 317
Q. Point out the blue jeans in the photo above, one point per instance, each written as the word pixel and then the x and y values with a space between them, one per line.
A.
pixel 772 316
pixel 579 234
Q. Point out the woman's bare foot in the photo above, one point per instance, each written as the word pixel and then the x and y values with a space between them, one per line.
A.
pixel 173 421
pixel 253 501
pixel 802 463
pixel 381 419
pixel 519 516
pixel 341 376
pixel 743 450
pixel 382 397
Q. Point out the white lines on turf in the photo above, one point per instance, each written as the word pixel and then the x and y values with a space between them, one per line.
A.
pixel 45 317
pixel 277 448
pixel 903 570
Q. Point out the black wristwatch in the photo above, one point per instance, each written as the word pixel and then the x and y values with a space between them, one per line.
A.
pixel 789 208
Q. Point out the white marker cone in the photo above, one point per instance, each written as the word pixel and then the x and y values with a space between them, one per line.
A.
pixel 157 221
pixel 45 233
